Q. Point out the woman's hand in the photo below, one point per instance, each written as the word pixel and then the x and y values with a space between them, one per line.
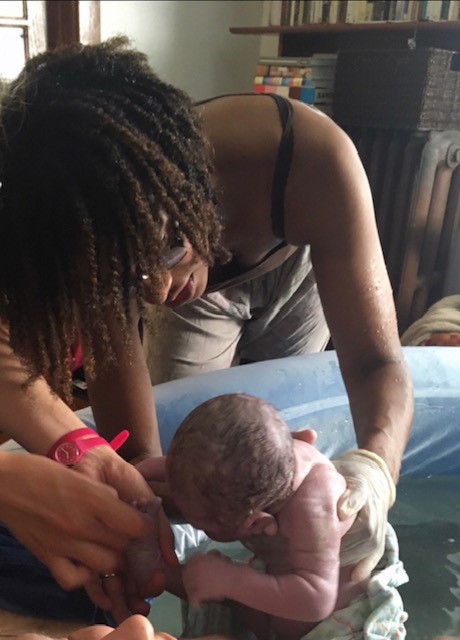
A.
pixel 75 524
pixel 369 495
pixel 103 464
pixel 125 593
pixel 306 435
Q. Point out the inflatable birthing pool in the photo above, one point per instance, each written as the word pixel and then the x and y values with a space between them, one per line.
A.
pixel 309 392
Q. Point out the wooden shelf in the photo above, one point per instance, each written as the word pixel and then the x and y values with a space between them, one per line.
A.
pixel 347 27
pixel 305 39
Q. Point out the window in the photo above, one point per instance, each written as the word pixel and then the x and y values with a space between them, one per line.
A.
pixel 28 27
pixel 22 34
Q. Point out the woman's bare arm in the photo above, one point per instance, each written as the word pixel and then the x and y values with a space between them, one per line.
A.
pixel 121 395
pixel 329 206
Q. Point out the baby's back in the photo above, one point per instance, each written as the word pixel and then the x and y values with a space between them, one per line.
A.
pixel 307 546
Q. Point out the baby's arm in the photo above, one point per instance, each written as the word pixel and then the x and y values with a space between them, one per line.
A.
pixel 307 591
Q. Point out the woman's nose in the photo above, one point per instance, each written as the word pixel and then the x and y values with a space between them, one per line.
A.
pixel 166 286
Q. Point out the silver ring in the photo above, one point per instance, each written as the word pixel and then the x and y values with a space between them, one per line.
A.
pixel 109 575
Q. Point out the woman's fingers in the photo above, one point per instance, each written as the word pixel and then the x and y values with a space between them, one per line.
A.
pixel 115 591
pixel 66 573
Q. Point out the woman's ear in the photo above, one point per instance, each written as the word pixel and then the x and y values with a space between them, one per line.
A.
pixel 259 522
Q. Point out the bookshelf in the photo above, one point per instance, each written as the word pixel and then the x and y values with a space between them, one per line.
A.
pixel 306 39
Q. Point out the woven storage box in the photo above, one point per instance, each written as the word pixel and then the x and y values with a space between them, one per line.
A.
pixel 404 89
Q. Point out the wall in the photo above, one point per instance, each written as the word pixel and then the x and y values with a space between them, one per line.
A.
pixel 189 43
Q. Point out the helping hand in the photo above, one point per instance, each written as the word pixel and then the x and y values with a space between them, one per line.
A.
pixel 370 493
pixel 76 525
pixel 110 468
pixel 103 463
pixel 204 579
pixel 306 435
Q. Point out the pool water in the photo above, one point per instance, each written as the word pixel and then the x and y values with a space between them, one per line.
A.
pixel 426 518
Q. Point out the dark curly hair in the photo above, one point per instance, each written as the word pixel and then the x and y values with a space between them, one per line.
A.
pixel 237 452
pixel 93 145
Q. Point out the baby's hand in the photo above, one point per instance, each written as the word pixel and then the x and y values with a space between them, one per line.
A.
pixel 205 578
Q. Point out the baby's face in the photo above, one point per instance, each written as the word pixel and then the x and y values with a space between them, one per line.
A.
pixel 196 512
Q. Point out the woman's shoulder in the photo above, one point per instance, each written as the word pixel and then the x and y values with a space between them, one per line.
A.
pixel 241 115
pixel 234 101
pixel 254 121
pixel 242 130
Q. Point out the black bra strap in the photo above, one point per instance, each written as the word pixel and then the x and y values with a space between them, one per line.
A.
pixel 283 159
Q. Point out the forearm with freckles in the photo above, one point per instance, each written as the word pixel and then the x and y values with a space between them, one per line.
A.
pixel 32 415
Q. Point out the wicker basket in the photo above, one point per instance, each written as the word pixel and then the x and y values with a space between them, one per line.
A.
pixel 406 89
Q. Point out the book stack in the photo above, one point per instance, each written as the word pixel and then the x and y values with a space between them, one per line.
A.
pixel 310 80
pixel 296 12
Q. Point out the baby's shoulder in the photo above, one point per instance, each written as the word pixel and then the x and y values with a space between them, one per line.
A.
pixel 316 474
pixel 323 480
pixel 306 454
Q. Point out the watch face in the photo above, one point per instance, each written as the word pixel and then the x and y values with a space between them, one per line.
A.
pixel 67 453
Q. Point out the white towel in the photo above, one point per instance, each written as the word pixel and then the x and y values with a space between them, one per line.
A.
pixel 441 317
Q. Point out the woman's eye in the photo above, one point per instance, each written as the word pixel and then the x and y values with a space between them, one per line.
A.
pixel 178 235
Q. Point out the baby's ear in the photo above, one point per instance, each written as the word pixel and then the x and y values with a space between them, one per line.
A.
pixel 259 522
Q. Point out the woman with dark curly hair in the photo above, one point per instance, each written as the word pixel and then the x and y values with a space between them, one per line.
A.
pixel 117 191
pixel 105 187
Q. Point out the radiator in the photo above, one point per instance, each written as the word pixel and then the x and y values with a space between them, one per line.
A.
pixel 415 183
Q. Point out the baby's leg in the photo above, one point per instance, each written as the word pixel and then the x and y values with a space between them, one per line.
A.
pixel 143 556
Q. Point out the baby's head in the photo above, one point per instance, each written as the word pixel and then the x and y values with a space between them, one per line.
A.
pixel 232 457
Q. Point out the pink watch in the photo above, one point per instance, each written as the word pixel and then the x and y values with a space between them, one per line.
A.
pixel 72 446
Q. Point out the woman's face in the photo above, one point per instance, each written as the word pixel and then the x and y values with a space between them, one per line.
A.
pixel 186 278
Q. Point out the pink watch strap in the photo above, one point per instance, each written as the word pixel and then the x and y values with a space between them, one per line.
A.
pixel 72 446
